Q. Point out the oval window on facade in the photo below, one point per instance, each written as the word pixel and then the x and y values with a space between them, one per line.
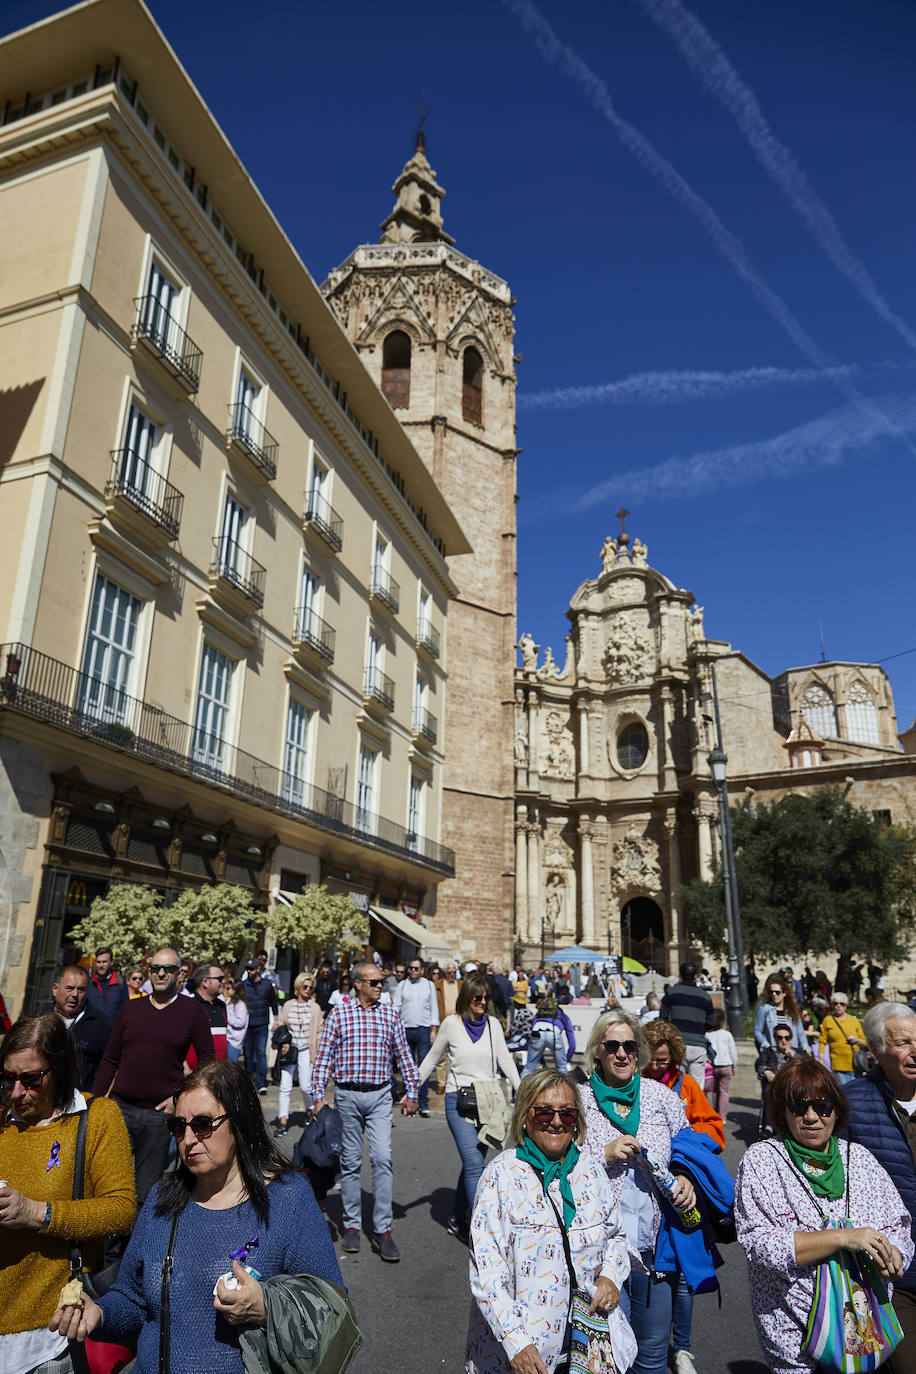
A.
pixel 633 745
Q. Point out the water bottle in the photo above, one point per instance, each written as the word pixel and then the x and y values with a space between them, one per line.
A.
pixel 690 1216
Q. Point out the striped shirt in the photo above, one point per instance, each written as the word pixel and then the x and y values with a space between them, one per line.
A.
pixel 356 1047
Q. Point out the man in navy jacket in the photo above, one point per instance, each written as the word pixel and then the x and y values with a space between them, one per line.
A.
pixel 882 1117
pixel 107 991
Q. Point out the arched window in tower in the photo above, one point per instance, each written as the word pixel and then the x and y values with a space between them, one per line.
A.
pixel 472 386
pixel 817 706
pixel 396 369
pixel 861 716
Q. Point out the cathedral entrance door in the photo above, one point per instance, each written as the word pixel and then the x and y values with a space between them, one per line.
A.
pixel 642 930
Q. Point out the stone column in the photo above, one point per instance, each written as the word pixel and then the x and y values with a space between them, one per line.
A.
pixel 674 881
pixel 586 862
pixel 535 915
pixel 584 756
pixel 521 874
pixel 704 841
pixel 532 736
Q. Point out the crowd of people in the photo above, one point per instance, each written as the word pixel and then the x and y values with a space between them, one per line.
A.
pixel 591 1189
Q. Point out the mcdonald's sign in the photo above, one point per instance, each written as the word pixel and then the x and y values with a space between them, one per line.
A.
pixel 76 893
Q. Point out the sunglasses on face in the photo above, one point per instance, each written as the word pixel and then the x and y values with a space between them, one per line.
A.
pixel 164 968
pixel 821 1105
pixel 544 1116
pixel 201 1126
pixel 30 1080
pixel 371 982
pixel 479 997
pixel 612 1046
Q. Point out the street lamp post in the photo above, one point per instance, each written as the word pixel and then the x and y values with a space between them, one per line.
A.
pixel 737 991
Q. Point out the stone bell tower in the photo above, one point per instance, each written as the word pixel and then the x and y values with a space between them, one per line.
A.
pixel 436 330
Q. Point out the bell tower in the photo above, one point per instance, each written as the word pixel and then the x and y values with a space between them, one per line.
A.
pixel 437 332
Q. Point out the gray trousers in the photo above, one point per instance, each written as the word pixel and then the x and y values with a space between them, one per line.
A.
pixel 369 1114
pixel 695 1062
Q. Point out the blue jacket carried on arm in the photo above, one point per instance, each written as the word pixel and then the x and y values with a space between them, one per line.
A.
pixel 873 1122
pixel 693 1253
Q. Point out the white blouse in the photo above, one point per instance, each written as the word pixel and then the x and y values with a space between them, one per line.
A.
pixel 470 1061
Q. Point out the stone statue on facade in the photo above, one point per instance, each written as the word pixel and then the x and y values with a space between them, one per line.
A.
pixel 555 901
pixel 556 855
pixel 608 554
pixel 640 553
pixel 695 629
pixel 529 652
pixel 557 753
pixel 548 668
pixel 521 746
pixel 626 656
pixel 636 863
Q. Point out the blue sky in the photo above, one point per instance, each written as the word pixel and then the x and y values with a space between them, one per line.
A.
pixel 713 206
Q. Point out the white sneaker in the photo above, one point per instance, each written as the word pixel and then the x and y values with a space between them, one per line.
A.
pixel 683 1362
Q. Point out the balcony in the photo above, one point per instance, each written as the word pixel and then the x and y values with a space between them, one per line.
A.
pixel 235 577
pixel 248 437
pixel 47 690
pixel 162 339
pixel 141 499
pixel 321 519
pixel 313 638
pixel 425 727
pixel 428 638
pixel 378 690
pixel 384 591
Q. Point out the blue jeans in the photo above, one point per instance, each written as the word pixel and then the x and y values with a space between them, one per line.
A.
pixel 843 1075
pixel 683 1315
pixel 233 1053
pixel 418 1038
pixel 366 1113
pixel 472 1152
pixel 543 1038
pixel 646 1302
pixel 256 1055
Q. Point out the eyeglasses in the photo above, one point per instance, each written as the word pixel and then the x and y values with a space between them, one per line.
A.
pixel 821 1105
pixel 612 1046
pixel 415 968
pixel 661 1063
pixel 372 982
pixel 164 968
pixel 544 1116
pixel 783 1037
pixel 479 997
pixel 201 1126
pixel 33 1078
pixel 775 990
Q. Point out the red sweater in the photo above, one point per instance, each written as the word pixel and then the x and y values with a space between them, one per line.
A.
pixel 147 1048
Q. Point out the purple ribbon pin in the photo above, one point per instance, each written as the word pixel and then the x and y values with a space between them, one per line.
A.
pixel 242 1253
pixel 54 1161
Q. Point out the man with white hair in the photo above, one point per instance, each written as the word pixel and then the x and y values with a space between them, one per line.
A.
pixel 882 1117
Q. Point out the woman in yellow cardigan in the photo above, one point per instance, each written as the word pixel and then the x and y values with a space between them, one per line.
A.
pixel 39 1220
pixel 844 1035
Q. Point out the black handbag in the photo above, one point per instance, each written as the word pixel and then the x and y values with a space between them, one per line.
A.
pixel 466 1104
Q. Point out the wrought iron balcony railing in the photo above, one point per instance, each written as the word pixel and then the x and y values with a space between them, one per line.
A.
pixel 137 482
pixel 162 334
pixel 237 567
pixel 380 688
pixel 246 430
pixel 385 588
pixel 323 518
pixel 45 689
pixel 425 724
pixel 428 638
pixel 312 630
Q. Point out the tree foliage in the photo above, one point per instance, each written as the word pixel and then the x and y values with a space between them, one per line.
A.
pixel 318 921
pixel 817 875
pixel 215 923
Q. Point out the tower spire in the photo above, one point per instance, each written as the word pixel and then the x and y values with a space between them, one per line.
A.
pixel 417 214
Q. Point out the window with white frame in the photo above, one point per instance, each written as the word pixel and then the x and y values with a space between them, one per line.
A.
pixel 424 614
pixel 861 716
pixel 419 702
pixel 381 562
pixel 374 653
pixel 160 307
pixel 366 788
pixel 232 536
pixel 248 404
pixel 108 660
pixel 819 711
pixel 307 611
pixel 211 717
pixel 138 456
pixel 416 805
pixel 296 752
pixel 319 505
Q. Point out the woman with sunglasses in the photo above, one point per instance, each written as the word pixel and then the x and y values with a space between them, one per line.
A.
pixel 787 1185
pixel 626 1114
pixel 39 1219
pixel 477 1050
pixel 777 1003
pixel 238 1202
pixel 302 1017
pixel 770 1060
pixel 540 1188
pixel 842 1035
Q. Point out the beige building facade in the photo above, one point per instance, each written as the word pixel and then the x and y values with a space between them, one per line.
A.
pixel 436 331
pixel 615 803
pixel 224 581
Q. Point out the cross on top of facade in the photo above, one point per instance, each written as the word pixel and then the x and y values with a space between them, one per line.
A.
pixel 621 516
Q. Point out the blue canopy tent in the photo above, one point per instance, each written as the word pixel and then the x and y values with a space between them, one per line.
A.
pixel 575 954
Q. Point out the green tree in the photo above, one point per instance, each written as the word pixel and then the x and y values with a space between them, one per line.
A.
pixel 814 874
pixel 131 920
pixel 215 923
pixel 317 921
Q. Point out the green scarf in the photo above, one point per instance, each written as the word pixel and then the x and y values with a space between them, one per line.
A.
pixel 549 1169
pixel 620 1105
pixel 822 1169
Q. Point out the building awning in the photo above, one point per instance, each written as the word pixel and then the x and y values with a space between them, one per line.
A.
pixel 405 928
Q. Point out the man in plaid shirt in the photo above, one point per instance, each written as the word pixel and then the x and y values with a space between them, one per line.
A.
pixel 356 1044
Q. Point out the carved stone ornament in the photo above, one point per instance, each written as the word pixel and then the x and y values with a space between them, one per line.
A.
pixel 608 554
pixel 521 746
pixel 626 657
pixel 556 854
pixel 555 901
pixel 695 629
pixel 636 863
pixel 529 652
pixel 556 754
pixel 640 554
pixel 548 668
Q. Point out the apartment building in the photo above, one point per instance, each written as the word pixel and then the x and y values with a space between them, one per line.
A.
pixel 223 577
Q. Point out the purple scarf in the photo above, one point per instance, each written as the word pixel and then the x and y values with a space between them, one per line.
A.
pixel 475 1029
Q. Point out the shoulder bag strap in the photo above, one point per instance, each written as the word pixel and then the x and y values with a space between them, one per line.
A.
pixel 492 1050
pixel 79 1179
pixel 165 1312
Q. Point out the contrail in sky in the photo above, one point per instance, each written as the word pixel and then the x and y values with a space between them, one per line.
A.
pixel 676 387
pixel 709 63
pixel 824 442
pixel 577 70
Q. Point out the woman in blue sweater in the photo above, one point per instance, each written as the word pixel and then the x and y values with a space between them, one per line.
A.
pixel 237 1202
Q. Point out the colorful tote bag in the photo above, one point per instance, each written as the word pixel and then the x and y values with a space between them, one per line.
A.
pixel 590 1344
pixel 852 1326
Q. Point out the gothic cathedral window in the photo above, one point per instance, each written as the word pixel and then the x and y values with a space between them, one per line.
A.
pixel 472 387
pixel 396 370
